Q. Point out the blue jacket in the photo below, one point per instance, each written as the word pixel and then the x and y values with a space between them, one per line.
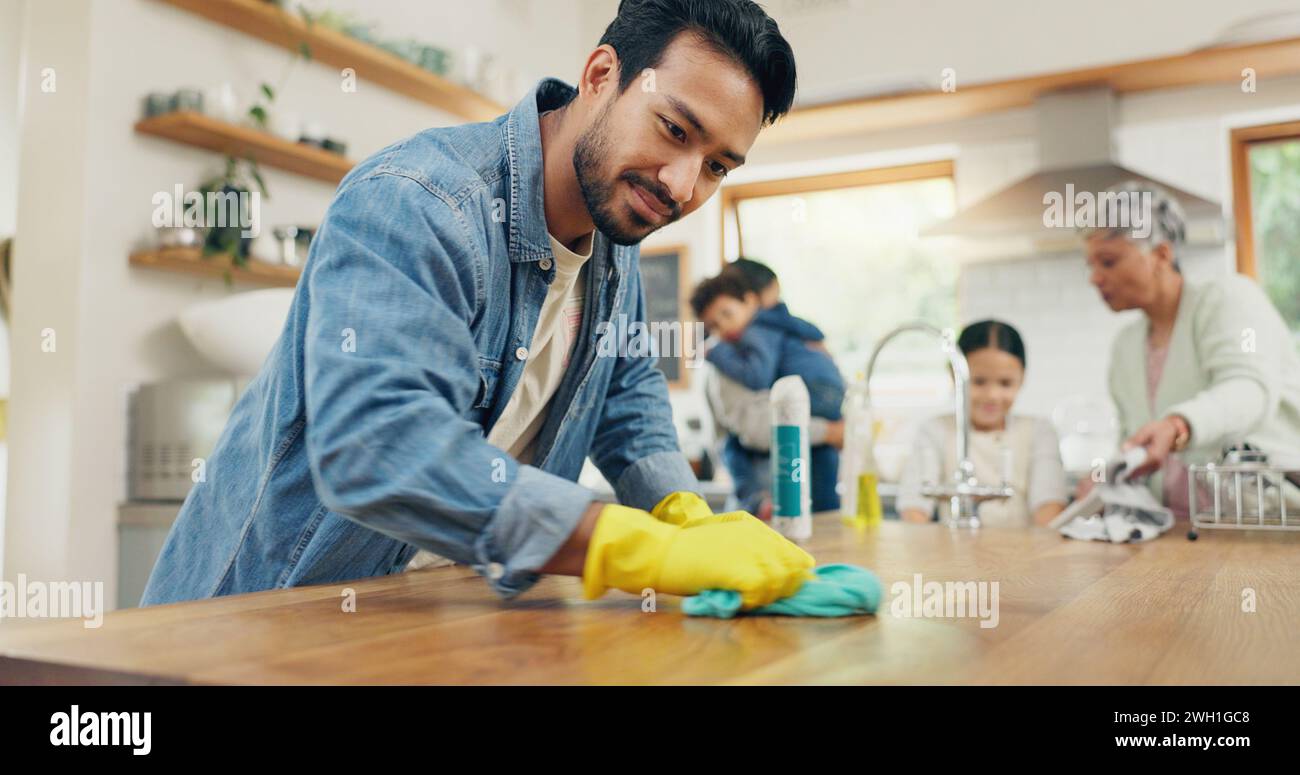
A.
pixel 773 346
pixel 362 438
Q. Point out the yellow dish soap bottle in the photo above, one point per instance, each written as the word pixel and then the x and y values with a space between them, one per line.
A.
pixel 859 480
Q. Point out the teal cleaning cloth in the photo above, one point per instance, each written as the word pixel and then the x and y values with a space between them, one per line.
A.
pixel 838 590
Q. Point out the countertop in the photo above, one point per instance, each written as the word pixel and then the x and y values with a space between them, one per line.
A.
pixel 1168 611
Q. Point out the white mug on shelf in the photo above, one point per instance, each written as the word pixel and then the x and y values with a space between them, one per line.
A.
pixel 221 102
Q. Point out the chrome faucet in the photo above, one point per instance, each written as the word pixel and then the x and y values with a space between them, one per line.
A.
pixel 964 493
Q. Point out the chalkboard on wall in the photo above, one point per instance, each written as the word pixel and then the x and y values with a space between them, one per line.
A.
pixel 663 276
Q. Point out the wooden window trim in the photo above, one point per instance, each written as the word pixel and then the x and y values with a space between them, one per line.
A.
pixel 1242 140
pixel 732 196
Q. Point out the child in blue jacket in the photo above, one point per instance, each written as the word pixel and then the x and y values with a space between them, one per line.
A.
pixel 756 346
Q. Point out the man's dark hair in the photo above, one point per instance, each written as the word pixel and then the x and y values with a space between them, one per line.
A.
pixel 738 29
pixel 757 274
pixel 730 283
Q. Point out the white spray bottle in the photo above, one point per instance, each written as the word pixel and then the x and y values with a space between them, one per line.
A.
pixel 791 467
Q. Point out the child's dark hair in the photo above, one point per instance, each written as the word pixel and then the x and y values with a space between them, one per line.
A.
pixel 995 334
pixel 738 29
pixel 757 274
pixel 730 283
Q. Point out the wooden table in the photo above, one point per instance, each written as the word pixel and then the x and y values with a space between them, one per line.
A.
pixel 1169 611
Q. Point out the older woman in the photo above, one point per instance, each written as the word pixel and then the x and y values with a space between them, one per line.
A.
pixel 1208 364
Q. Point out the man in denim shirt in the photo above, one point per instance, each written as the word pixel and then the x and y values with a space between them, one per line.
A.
pixel 369 431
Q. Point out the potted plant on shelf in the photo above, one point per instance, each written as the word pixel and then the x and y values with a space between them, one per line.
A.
pixel 237 181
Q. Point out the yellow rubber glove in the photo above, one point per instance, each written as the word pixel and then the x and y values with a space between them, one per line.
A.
pixel 680 507
pixel 633 551
pixel 686 509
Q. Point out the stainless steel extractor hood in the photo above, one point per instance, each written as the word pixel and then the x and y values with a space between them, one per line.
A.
pixel 1076 153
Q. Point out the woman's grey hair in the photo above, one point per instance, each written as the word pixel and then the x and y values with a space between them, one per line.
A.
pixel 1142 213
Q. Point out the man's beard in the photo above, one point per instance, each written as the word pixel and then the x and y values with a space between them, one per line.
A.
pixel 589 156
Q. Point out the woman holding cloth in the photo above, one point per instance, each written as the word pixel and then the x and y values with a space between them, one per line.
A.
pixel 1208 364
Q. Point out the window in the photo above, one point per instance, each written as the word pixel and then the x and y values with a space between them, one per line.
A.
pixel 1266 186
pixel 847 251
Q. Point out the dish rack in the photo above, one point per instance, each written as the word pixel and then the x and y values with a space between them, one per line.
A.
pixel 1243 492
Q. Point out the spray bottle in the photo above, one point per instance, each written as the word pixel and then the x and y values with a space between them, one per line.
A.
pixel 791 471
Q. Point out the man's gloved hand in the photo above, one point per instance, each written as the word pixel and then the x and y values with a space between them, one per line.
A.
pixel 681 507
pixel 686 509
pixel 632 551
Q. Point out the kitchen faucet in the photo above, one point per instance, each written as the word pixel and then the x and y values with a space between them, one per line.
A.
pixel 964 492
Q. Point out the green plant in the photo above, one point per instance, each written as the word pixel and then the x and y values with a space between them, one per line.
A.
pixel 240 175
pixel 258 112
pixel 238 178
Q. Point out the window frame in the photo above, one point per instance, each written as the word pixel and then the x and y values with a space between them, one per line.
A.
pixel 732 196
pixel 1241 140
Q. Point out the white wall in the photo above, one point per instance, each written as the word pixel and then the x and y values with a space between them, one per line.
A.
pixel 84 204
pixel 47 277
pixel 11 16
pixel 10 38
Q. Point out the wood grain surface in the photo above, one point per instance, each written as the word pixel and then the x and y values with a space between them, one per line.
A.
pixel 1169 611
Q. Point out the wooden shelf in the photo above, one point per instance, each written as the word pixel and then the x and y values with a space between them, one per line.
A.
pixel 191 261
pixel 267 22
pixel 202 131
pixel 1208 66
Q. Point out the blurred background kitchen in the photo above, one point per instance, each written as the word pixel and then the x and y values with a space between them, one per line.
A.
pixel 908 185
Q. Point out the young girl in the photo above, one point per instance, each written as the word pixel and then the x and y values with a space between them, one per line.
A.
pixel 1024 449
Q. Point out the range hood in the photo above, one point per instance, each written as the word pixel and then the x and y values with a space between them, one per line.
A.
pixel 1076 153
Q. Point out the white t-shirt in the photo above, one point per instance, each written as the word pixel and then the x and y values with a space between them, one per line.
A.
pixel 554 340
pixel 553 343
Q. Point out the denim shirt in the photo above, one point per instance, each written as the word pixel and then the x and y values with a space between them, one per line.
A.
pixel 363 437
